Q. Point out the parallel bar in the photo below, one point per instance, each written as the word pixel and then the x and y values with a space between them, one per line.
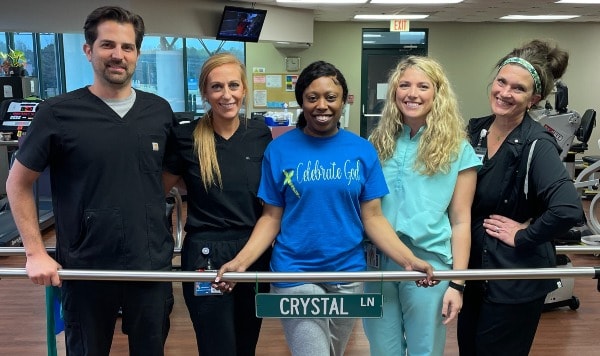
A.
pixel 20 251
pixel 482 274
pixel 576 249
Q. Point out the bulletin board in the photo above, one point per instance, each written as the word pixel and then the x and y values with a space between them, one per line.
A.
pixel 273 90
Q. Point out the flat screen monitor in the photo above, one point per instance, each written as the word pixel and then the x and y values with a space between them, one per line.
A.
pixel 241 24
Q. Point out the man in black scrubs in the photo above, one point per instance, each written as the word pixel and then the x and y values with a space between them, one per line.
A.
pixel 104 144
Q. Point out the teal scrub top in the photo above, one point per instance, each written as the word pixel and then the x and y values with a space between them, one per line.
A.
pixel 417 205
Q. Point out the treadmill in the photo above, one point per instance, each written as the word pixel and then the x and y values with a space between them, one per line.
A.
pixel 9 235
pixel 16 116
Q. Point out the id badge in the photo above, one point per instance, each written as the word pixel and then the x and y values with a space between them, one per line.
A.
pixel 373 255
pixel 202 289
pixel 480 152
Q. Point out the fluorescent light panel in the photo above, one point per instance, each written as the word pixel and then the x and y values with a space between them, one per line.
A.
pixel 578 2
pixel 538 17
pixel 339 2
pixel 390 17
pixel 389 2
pixel 415 2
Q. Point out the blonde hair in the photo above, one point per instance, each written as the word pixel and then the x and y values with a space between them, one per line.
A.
pixel 204 133
pixel 444 130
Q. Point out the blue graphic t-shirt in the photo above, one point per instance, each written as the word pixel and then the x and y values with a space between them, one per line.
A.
pixel 320 183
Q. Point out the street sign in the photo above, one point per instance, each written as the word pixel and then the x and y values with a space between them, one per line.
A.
pixel 318 305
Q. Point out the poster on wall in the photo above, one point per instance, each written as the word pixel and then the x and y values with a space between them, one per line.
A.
pixel 260 98
pixel 274 81
pixel 290 82
pixel 274 90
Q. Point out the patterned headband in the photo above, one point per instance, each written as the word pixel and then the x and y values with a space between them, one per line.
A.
pixel 530 69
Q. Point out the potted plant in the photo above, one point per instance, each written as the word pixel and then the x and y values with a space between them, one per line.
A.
pixel 13 62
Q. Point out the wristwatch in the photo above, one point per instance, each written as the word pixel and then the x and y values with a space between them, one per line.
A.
pixel 458 287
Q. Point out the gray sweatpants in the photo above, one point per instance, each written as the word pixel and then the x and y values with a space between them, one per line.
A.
pixel 318 336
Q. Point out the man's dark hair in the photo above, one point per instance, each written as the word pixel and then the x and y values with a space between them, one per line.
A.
pixel 114 13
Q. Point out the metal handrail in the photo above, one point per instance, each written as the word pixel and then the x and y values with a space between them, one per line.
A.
pixel 575 249
pixel 20 251
pixel 177 276
pixel 578 249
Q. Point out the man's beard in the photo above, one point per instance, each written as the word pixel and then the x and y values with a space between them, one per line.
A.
pixel 118 79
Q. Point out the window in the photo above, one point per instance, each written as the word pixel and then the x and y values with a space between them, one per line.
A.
pixel 160 69
pixel 41 54
pixel 198 50
pixel 49 65
pixel 3 42
pixel 168 66
pixel 77 68
pixel 23 41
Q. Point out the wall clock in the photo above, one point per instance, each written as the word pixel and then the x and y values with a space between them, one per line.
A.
pixel 292 64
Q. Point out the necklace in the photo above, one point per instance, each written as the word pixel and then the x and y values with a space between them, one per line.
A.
pixel 498 137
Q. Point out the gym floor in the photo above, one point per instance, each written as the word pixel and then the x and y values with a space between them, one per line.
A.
pixel 562 331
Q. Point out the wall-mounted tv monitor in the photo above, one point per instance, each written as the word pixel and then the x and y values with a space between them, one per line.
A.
pixel 241 24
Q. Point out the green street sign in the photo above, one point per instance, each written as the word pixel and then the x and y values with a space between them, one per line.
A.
pixel 318 305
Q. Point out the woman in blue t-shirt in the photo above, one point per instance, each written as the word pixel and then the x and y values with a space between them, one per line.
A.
pixel 322 189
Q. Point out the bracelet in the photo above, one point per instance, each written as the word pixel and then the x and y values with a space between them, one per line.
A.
pixel 458 287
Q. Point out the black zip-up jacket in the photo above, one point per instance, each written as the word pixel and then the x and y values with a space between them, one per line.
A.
pixel 551 203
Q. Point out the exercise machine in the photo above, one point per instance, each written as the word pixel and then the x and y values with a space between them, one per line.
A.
pixel 16 116
pixel 566 126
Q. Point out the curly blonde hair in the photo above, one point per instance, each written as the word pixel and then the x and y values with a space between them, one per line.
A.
pixel 444 130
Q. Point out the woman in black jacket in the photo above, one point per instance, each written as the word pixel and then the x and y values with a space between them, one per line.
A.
pixel 523 200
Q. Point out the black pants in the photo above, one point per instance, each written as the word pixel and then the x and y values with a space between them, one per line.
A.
pixel 90 310
pixel 225 325
pixel 487 328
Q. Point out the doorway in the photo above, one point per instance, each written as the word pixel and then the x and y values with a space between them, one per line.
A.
pixel 381 51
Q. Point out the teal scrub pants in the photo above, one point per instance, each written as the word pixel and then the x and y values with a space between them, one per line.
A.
pixel 412 316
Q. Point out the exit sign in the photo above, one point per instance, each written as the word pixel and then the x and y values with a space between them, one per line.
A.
pixel 399 25
pixel 318 305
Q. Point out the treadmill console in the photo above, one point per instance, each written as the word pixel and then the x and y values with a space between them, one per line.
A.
pixel 17 115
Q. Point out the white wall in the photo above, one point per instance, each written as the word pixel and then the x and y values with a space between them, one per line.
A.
pixel 189 18
pixel 468 52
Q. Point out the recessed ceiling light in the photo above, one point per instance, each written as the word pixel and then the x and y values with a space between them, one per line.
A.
pixel 390 17
pixel 415 2
pixel 538 17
